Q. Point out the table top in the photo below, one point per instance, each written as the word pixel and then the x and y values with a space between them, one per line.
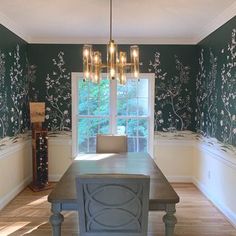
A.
pixel 127 163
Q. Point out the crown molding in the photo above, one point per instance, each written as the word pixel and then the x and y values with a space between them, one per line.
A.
pixel 13 27
pixel 171 41
pixel 221 19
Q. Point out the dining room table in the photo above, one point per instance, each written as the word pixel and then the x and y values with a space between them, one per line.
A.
pixel 162 196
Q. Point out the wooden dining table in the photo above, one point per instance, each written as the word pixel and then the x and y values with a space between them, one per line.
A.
pixel 162 196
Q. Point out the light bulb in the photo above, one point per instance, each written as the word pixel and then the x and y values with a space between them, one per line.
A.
pixel 136 74
pixel 135 53
pixel 112 72
pixel 86 74
pixel 112 48
pixel 86 52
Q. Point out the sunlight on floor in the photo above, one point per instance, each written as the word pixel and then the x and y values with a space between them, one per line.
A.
pixel 92 157
pixel 35 228
pixel 38 201
pixel 13 228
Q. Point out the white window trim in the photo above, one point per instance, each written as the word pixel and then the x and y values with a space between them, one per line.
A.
pixel 74 78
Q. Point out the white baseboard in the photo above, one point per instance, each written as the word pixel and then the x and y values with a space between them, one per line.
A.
pixel 13 193
pixel 54 178
pixel 180 179
pixel 224 209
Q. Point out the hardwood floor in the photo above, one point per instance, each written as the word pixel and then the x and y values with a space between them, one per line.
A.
pixel 28 215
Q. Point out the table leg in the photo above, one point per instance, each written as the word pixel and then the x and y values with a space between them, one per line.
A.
pixel 170 220
pixel 56 219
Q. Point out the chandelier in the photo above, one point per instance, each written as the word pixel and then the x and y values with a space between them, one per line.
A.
pixel 116 66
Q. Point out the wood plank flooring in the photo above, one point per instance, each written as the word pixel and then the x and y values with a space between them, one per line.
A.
pixel 28 215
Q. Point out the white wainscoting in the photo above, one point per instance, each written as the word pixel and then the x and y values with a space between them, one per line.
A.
pixel 15 169
pixel 210 165
pixel 59 155
pixel 183 157
pixel 214 173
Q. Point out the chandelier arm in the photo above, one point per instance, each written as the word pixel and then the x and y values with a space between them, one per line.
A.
pixel 117 65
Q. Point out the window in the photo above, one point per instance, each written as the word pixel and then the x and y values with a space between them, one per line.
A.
pixel 110 108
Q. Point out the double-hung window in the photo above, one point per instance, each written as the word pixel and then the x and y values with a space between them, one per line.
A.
pixel 110 108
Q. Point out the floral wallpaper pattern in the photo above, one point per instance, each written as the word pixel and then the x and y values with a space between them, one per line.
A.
pixel 58 96
pixel 187 95
pixel 3 98
pixel 14 85
pixel 216 92
pixel 173 109
pixel 206 99
pixel 228 93
pixel 19 90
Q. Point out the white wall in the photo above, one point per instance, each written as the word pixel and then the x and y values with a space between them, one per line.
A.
pixel 59 156
pixel 188 158
pixel 15 170
pixel 174 158
pixel 182 158
pixel 214 174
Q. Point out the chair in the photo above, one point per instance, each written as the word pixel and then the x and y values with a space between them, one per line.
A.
pixel 111 143
pixel 113 204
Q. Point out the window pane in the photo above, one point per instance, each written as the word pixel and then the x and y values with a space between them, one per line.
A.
pixel 93 127
pixel 93 106
pixel 142 106
pixel 132 126
pixel 92 144
pixel 122 106
pixel 143 88
pixel 87 131
pixel 132 88
pixel 98 125
pixel 83 124
pixel 132 144
pixel 99 95
pixel 142 144
pixel 83 144
pixel 132 106
pixel 143 127
pixel 121 91
pixel 83 97
pixel 104 126
pixel 131 111
pixel 127 126
pixel 83 134
pixel 104 97
pixel 121 126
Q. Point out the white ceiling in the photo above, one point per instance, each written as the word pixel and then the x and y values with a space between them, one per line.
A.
pixel 134 21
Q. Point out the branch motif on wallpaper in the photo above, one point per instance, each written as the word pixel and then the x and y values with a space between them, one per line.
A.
pixel 206 96
pixel 31 78
pixel 216 93
pixel 18 93
pixel 58 95
pixel 3 98
pixel 172 96
pixel 228 93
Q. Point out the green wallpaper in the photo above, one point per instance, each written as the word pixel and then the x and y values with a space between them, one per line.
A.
pixel 14 86
pixel 195 84
pixel 216 84
pixel 174 67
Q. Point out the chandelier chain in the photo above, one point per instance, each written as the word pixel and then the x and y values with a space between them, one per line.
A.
pixel 110 19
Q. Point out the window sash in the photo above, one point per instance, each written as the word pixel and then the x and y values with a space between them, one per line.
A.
pixel 113 110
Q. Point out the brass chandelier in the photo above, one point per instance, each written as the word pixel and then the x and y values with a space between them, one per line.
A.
pixel 116 66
